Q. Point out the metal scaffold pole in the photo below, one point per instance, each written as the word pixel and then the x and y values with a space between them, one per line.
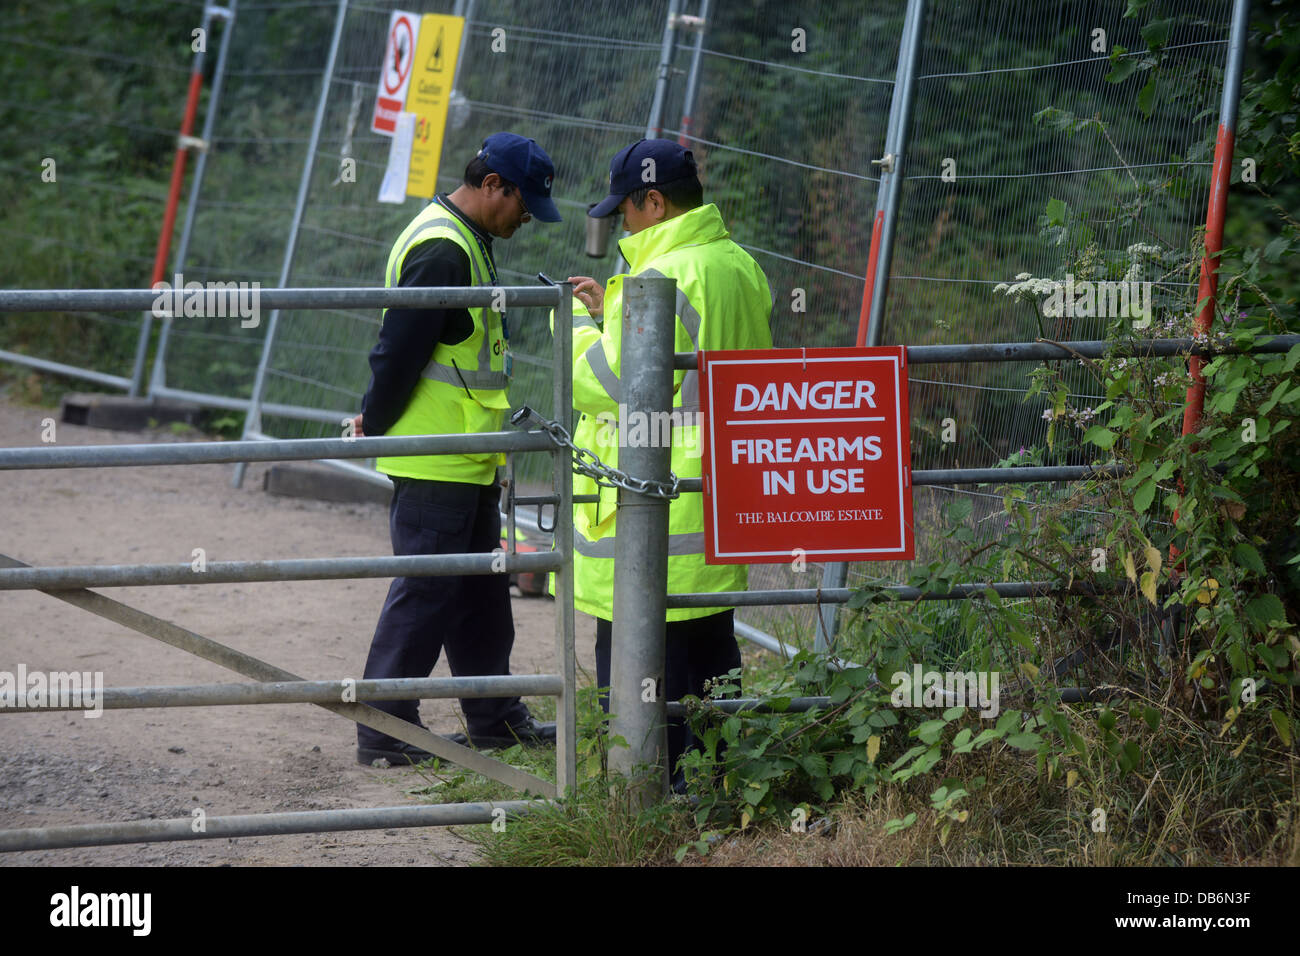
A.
pixel 158 377
pixel 183 143
pixel 641 545
pixel 655 125
pixel 1220 180
pixel 699 24
pixel 253 420
pixel 891 177
pixel 872 319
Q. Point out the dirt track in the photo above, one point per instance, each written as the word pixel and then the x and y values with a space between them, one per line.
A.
pixel 61 768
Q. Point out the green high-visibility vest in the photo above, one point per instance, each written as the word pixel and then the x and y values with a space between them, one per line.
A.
pixel 463 388
pixel 723 302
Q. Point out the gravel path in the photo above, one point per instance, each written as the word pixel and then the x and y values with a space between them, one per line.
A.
pixel 62 768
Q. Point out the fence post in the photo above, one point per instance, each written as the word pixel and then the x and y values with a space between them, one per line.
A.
pixel 1215 213
pixel 173 198
pixel 1220 180
pixel 693 78
pixel 566 739
pixel 463 8
pixel 158 376
pixel 654 127
pixel 641 545
pixel 253 420
pixel 872 319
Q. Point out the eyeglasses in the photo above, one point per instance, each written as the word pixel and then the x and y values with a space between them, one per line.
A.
pixel 519 196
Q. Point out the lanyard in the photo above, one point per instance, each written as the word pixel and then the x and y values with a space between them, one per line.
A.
pixel 507 359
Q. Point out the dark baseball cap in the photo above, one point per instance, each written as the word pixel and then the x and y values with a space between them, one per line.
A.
pixel 525 164
pixel 647 162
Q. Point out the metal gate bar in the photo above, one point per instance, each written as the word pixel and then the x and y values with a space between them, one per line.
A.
pixel 1043 350
pixel 312 692
pixel 286 449
pixel 294 569
pixel 959 592
pixel 1026 474
pixel 278 685
pixel 250 666
pixel 227 300
pixel 260 824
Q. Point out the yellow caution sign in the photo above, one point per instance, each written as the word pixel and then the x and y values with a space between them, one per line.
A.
pixel 428 96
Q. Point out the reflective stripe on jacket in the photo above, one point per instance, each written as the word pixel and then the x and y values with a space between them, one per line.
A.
pixel 723 302
pixel 463 388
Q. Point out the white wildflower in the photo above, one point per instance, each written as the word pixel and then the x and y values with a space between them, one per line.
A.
pixel 1143 249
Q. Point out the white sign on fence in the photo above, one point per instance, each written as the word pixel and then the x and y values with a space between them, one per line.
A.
pixel 395 74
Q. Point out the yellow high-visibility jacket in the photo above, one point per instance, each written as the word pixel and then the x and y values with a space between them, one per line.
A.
pixel 463 388
pixel 723 302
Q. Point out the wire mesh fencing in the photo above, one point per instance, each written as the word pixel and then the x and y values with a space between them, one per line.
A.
pixel 1052 168
pixel 784 115
pixel 791 108
pixel 346 234
pixel 1040 152
pixel 1080 163
pixel 245 202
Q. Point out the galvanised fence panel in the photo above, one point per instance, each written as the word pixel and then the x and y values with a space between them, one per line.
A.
pixel 1052 143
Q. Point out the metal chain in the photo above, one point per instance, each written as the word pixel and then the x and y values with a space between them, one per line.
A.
pixel 585 461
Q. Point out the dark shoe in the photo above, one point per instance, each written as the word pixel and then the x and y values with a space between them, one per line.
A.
pixel 398 754
pixel 531 731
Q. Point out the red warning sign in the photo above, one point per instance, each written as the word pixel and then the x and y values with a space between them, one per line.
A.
pixel 806 454
pixel 395 77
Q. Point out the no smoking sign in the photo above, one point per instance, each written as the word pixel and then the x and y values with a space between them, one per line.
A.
pixel 395 77
pixel 806 450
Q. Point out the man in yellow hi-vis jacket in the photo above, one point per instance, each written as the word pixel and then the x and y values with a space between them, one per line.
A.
pixel 438 371
pixel 723 302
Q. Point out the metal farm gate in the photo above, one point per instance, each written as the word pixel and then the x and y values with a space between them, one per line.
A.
pixel 850 210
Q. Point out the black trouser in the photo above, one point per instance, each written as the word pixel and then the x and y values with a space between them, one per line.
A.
pixel 468 615
pixel 694 651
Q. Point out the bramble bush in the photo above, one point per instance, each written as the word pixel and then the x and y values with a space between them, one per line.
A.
pixel 1177 653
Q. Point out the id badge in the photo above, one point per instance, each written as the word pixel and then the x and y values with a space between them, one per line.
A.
pixel 508 359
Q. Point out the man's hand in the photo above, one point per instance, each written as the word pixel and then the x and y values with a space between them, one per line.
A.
pixel 356 428
pixel 590 293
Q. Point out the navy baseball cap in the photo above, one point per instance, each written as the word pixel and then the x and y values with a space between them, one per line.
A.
pixel 525 164
pixel 647 162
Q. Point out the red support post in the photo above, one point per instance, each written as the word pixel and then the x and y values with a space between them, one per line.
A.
pixel 1220 178
pixel 873 257
pixel 178 176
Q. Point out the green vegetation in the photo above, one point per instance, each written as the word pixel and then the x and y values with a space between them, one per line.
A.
pixel 1153 722
pixel 1166 701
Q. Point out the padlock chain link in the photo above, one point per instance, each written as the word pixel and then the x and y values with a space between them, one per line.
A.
pixel 587 462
